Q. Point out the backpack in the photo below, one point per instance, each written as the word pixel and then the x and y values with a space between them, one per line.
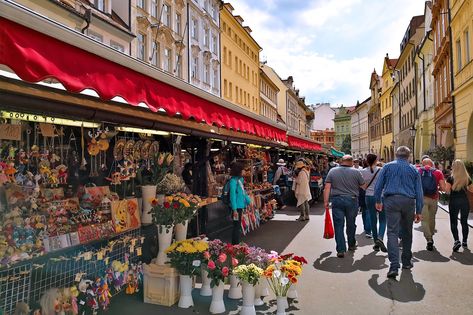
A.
pixel 429 183
pixel 225 196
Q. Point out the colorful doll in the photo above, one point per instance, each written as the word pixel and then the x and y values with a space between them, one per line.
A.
pixel 62 174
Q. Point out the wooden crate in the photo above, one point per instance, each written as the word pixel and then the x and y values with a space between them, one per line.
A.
pixel 161 285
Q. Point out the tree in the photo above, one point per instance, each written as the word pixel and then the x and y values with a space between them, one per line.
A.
pixel 441 154
pixel 346 145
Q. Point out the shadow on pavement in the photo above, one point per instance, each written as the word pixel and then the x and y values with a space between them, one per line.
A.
pixel 269 307
pixel 362 240
pixel 405 290
pixel 433 256
pixel 348 264
pixel 465 257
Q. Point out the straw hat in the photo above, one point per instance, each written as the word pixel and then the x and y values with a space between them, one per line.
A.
pixel 281 162
pixel 300 164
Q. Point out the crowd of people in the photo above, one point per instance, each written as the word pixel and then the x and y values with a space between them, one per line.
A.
pixel 391 197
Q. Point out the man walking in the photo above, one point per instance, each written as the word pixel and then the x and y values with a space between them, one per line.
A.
pixel 403 200
pixel 432 179
pixel 342 188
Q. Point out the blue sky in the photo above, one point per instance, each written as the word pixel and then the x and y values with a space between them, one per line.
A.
pixel 330 47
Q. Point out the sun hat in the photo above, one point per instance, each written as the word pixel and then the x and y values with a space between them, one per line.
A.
pixel 281 162
pixel 300 164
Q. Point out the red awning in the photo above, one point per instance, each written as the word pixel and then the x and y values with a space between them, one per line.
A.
pixel 34 56
pixel 303 144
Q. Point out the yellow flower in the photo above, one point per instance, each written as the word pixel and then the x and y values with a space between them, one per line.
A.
pixel 185 203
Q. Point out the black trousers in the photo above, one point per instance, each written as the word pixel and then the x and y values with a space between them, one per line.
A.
pixel 455 207
pixel 236 232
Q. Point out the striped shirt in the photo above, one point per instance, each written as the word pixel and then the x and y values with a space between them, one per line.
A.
pixel 400 178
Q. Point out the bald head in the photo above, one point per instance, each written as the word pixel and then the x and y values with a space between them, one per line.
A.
pixel 427 161
pixel 347 160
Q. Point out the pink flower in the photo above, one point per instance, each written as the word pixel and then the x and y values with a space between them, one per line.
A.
pixel 225 271
pixel 211 265
pixel 234 262
pixel 222 257
pixel 207 255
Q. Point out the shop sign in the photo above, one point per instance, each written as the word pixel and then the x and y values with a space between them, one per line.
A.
pixel 10 132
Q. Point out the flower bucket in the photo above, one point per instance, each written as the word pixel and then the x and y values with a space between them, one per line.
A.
pixel 185 288
pixel 281 305
pixel 264 288
pixel 217 306
pixel 292 292
pixel 164 241
pixel 258 301
pixel 181 231
pixel 248 292
pixel 148 192
pixel 205 290
pixel 235 291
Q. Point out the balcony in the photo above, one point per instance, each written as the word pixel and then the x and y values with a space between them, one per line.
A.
pixel 443 109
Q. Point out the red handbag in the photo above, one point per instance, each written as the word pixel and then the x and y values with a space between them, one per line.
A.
pixel 328 231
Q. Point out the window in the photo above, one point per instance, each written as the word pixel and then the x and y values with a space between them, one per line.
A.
pixel 225 87
pixel 215 83
pixel 178 71
pixel 167 60
pixel 178 23
pixel 167 15
pixel 214 12
pixel 230 90
pixel 230 58
pixel 195 68
pixel 466 36
pixel 459 55
pixel 236 93
pixel 207 74
pixel 225 55
pixel 99 5
pixel 95 36
pixel 155 59
pixel 140 4
pixel 154 8
pixel 117 46
pixel 206 37
pixel 141 46
pixel 195 29
pixel 214 45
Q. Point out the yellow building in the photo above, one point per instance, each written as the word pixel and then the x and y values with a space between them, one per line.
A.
pixel 462 28
pixel 387 144
pixel 240 61
pixel 268 96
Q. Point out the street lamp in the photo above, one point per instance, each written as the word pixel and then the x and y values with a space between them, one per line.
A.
pixel 413 130
pixel 393 145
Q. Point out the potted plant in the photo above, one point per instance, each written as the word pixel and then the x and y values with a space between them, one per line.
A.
pixel 186 257
pixel 182 215
pixel 163 217
pixel 249 275
pixel 260 258
pixel 218 270
pixel 236 255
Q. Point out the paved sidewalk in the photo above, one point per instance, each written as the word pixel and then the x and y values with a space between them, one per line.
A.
pixel 440 283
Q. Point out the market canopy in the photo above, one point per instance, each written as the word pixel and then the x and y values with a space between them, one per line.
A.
pixel 336 153
pixel 34 57
pixel 303 144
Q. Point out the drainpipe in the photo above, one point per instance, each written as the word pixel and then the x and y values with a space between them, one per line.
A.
pixel 452 85
pixel 87 17
pixel 189 52
pixel 423 77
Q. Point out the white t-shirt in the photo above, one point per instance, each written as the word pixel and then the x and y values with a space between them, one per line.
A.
pixel 367 176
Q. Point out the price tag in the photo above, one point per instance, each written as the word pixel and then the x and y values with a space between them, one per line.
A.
pixel 133 242
pixel 100 255
pixel 78 277
pixel 138 251
pixel 132 249
pixel 142 239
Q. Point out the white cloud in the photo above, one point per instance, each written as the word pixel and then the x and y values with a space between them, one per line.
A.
pixel 341 74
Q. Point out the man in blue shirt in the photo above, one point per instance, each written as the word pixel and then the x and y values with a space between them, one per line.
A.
pixel 399 191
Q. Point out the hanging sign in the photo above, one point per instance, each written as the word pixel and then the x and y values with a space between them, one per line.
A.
pixel 10 132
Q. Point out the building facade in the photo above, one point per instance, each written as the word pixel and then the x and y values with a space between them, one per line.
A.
pixel 323 116
pixel 326 137
pixel 342 125
pixel 442 73
pixel 374 114
pixel 268 96
pixel 462 28
pixel 407 80
pixel 106 21
pixel 299 116
pixel 359 130
pixel 204 42
pixel 425 123
pixel 240 61
pixel 387 143
pixel 160 38
pixel 281 97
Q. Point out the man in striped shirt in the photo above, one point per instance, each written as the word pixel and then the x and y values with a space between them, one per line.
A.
pixel 398 191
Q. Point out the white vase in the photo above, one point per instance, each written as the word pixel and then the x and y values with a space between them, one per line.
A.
pixel 205 290
pixel 181 231
pixel 281 305
pixel 292 292
pixel 148 192
pixel 185 288
pixel 248 307
pixel 264 288
pixel 164 241
pixel 258 300
pixel 217 306
pixel 234 292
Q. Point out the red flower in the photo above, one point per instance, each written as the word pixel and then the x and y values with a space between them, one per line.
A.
pixel 300 259
pixel 206 255
pixel 225 271
pixel 287 256
pixel 211 265
pixel 175 205
pixel 222 257
pixel 166 205
pixel 154 202
pixel 234 262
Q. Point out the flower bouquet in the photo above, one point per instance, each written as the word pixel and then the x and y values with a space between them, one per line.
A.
pixel 163 215
pixel 157 168
pixel 188 206
pixel 186 257
pixel 236 255
pixel 283 272
pixel 248 273
pixel 170 184
pixel 218 270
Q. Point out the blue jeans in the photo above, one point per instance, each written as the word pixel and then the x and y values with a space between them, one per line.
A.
pixel 344 207
pixel 400 213
pixel 366 216
pixel 374 216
